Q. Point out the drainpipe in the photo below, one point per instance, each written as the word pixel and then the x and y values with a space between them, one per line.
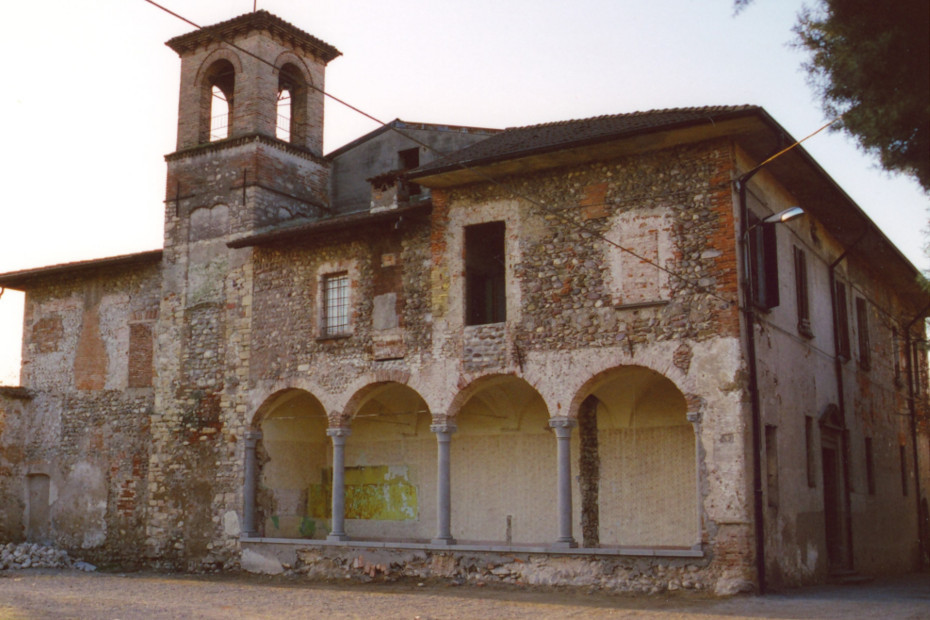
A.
pixel 912 409
pixel 841 400
pixel 755 405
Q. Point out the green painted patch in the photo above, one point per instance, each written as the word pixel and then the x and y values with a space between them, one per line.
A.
pixel 376 493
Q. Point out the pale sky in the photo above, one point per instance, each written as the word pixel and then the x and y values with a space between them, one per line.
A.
pixel 90 97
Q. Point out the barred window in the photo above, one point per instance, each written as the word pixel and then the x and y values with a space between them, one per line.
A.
pixel 335 304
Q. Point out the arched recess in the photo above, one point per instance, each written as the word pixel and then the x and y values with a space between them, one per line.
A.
pixel 503 464
pixel 294 466
pixel 635 463
pixel 390 465
pixel 217 92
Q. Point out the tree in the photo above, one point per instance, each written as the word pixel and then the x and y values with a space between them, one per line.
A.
pixel 870 62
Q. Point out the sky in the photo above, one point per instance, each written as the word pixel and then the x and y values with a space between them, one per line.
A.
pixel 90 95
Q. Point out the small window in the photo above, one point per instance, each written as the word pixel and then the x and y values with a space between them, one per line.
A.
pixel 771 464
pixel 485 274
pixel 862 327
pixel 809 447
pixel 869 466
pixel 800 281
pixel 902 451
pixel 763 264
pixel 842 321
pixel 896 356
pixel 410 159
pixel 335 304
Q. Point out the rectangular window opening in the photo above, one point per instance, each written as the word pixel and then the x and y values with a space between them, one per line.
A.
pixel 771 464
pixel 809 447
pixel 410 159
pixel 763 264
pixel 902 450
pixel 485 274
pixel 335 304
pixel 869 466
pixel 842 322
pixel 862 327
pixel 800 281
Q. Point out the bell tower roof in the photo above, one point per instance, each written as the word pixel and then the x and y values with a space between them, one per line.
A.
pixel 240 26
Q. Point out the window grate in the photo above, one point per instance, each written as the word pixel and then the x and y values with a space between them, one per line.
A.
pixel 336 304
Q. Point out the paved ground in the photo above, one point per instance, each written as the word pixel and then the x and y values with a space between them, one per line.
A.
pixel 70 594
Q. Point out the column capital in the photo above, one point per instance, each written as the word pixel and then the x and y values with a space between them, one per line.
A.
pixel 339 431
pixel 251 438
pixel 563 422
pixel 443 427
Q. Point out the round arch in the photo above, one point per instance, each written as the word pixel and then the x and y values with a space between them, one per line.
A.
pixel 390 464
pixel 503 463
pixel 294 460
pixel 636 466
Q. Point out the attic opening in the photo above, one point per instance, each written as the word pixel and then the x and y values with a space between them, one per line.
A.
pixel 485 274
pixel 216 101
pixel 408 160
pixel 291 105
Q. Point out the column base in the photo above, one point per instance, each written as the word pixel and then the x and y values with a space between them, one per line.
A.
pixel 571 543
pixel 338 537
pixel 443 541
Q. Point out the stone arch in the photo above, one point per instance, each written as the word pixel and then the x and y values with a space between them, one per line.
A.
pixel 390 463
pixel 636 447
pixel 293 466
pixel 216 80
pixel 503 463
pixel 293 89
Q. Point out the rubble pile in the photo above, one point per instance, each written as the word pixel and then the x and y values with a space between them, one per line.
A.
pixel 34 555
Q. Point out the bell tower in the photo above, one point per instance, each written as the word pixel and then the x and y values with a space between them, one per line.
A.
pixel 248 158
pixel 250 124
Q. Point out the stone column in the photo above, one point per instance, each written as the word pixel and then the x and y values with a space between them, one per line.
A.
pixel 249 485
pixel 563 432
pixel 443 486
pixel 338 436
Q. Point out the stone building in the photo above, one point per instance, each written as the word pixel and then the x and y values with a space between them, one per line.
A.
pixel 579 353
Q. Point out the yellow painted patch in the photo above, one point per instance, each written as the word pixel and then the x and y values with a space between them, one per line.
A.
pixel 377 493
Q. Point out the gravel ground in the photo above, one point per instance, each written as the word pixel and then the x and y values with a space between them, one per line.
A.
pixel 46 593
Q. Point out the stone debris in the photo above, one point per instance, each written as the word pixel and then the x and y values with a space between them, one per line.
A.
pixel 34 555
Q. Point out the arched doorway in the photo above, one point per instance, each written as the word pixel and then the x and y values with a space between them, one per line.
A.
pixel 294 467
pixel 503 465
pixel 636 462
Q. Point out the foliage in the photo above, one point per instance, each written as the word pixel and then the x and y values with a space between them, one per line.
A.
pixel 870 62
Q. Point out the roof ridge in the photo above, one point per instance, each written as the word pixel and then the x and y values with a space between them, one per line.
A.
pixel 636 113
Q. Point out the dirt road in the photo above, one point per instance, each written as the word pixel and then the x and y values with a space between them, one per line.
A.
pixel 71 594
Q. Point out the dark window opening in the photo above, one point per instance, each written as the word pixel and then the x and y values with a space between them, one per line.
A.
pixel 869 466
pixel 763 264
pixel 771 465
pixel 842 322
pixel 862 327
pixel 485 290
pixel 809 447
pixel 903 453
pixel 896 356
pixel 410 159
pixel 800 281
